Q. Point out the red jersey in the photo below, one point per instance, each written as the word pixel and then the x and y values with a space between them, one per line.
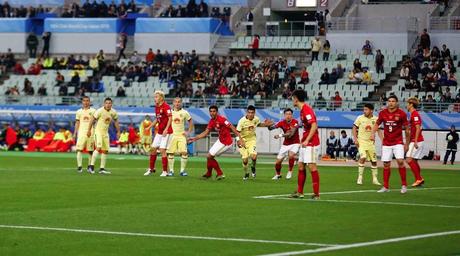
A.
pixel 162 113
pixel 222 126
pixel 415 120
pixel 286 126
pixel 308 117
pixel 393 123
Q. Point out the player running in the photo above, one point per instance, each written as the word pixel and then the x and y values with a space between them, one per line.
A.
pixel 291 144
pixel 394 120
pixel 85 136
pixel 104 117
pixel 362 131
pixel 308 153
pixel 415 141
pixel 145 131
pixel 163 136
pixel 223 127
pixel 247 128
pixel 179 139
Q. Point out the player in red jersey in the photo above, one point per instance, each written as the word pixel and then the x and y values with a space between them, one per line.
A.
pixel 224 128
pixel 415 142
pixel 308 153
pixel 394 120
pixel 291 144
pixel 163 136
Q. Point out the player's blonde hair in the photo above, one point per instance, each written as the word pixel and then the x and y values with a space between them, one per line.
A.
pixel 414 101
pixel 160 93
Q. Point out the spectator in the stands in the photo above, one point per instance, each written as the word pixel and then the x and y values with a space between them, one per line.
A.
pixel 326 50
pixel 357 64
pixel 63 90
pixel 445 52
pixel 46 44
pixel 413 84
pixel 435 53
pixel 425 70
pixel 191 8
pixel 32 44
pixel 304 76
pixel 18 69
pixel 203 9
pixel 452 80
pixel 75 80
pixel 332 143
pixel 150 56
pixel 135 59
pixel 28 89
pixel 67 13
pixel 255 46
pixel 379 62
pixel 355 77
pixel 249 18
pixel 443 78
pixel 333 76
pixel 336 101
pixel 48 63
pixel 367 48
pixel 429 83
pixel 340 71
pixel 97 86
pixel 367 77
pixel 121 92
pixel 94 63
pixel 34 69
pixel 59 79
pixel 315 48
pixel 405 72
pixel 122 41
pixel 320 102
pixel 324 77
pixel 448 94
pixel 42 91
pixel 425 40
pixel 429 103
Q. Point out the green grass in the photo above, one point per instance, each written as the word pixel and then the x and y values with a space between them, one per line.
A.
pixel 44 190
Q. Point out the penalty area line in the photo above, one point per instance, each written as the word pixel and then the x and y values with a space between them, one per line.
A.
pixel 119 233
pixel 365 244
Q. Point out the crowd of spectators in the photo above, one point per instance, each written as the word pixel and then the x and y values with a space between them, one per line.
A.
pixel 8 11
pixel 193 9
pixel 100 9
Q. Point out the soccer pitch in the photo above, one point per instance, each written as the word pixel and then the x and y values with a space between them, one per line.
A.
pixel 47 208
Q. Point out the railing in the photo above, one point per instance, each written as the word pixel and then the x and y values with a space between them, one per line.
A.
pixel 374 24
pixel 219 101
pixel 451 23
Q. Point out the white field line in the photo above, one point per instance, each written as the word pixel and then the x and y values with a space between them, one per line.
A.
pixel 163 235
pixel 365 244
pixel 357 191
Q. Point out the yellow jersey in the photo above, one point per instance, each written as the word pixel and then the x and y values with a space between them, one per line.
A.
pixel 364 125
pixel 178 121
pixel 247 128
pixel 84 116
pixel 104 118
pixel 143 131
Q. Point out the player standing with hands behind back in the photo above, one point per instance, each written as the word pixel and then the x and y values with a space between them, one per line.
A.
pixel 394 120
pixel 308 153
pixel 104 117
pixel 85 136
pixel 415 141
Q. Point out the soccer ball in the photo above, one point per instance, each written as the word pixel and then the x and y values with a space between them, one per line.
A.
pixel 449 138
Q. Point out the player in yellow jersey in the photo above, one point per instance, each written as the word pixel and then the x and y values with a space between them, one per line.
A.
pixel 178 144
pixel 104 117
pixel 362 131
pixel 82 132
pixel 247 129
pixel 145 130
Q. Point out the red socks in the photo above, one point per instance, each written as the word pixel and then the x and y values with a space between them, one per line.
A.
pixel 402 173
pixel 415 169
pixel 164 163
pixel 301 181
pixel 386 176
pixel 315 181
pixel 153 159
pixel 291 164
pixel 278 169
pixel 212 164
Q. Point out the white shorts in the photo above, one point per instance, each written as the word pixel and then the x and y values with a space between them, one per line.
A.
pixel 161 141
pixel 285 149
pixel 218 148
pixel 389 151
pixel 416 153
pixel 308 155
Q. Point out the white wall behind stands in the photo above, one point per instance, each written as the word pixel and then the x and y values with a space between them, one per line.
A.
pixel 203 43
pixel 15 41
pixel 354 40
pixel 434 141
pixel 85 43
